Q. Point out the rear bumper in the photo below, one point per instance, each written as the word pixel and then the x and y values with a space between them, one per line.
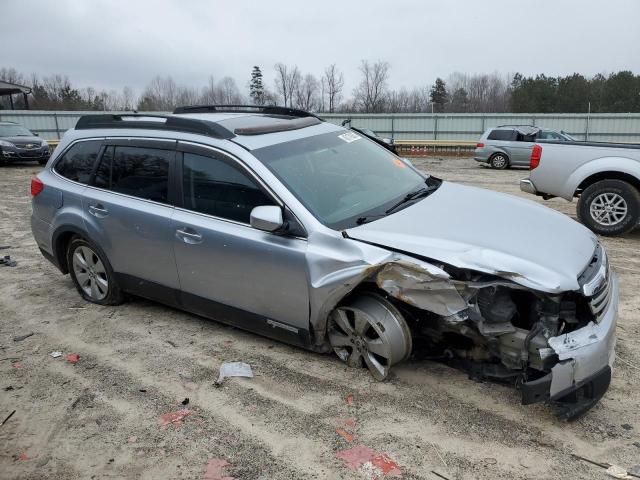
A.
pixel 585 360
pixel 527 186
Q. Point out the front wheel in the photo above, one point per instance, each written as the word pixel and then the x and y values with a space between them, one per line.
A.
pixel 92 274
pixel 609 207
pixel 369 331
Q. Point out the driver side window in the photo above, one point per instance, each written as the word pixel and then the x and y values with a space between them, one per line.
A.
pixel 215 187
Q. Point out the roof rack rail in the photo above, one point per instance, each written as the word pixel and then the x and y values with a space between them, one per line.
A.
pixel 154 122
pixel 264 109
pixel 517 125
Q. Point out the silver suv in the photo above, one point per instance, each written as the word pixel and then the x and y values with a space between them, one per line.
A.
pixel 510 145
pixel 272 220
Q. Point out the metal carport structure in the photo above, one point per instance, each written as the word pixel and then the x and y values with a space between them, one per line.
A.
pixel 11 89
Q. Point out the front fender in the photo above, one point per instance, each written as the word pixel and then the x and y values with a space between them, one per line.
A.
pixel 600 165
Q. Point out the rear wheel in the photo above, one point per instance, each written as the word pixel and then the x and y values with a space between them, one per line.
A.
pixel 92 274
pixel 609 207
pixel 499 161
pixel 370 332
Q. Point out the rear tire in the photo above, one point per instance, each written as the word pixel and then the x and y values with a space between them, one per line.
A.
pixel 92 274
pixel 609 207
pixel 499 161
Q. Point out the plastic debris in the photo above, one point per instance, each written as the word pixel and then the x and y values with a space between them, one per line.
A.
pixel 73 358
pixel 56 354
pixel 16 365
pixel 215 470
pixel 20 338
pixel 344 434
pixel 7 262
pixel 174 418
pixel 234 369
pixel 369 462
pixel 618 472
pixel 185 401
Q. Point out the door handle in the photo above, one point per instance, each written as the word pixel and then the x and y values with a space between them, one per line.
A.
pixel 98 211
pixel 188 235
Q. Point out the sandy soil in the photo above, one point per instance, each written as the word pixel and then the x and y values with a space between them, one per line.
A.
pixel 102 416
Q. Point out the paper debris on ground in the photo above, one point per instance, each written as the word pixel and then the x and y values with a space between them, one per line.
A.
pixel 56 354
pixel 234 369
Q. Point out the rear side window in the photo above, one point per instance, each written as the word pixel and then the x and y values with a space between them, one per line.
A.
pixel 215 187
pixel 136 171
pixel 77 163
pixel 502 135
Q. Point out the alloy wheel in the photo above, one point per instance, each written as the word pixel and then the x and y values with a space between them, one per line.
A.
pixel 608 209
pixel 90 273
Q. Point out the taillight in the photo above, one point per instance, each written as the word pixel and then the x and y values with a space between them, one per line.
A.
pixel 536 154
pixel 479 145
pixel 36 186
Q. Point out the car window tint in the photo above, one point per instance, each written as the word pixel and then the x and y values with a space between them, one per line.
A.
pixel 501 135
pixel 215 187
pixel 140 172
pixel 103 172
pixel 77 163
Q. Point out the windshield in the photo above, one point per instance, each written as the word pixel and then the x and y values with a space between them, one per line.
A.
pixel 341 176
pixel 14 131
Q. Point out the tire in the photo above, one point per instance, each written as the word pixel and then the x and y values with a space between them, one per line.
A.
pixel 369 331
pixel 609 207
pixel 499 161
pixel 92 274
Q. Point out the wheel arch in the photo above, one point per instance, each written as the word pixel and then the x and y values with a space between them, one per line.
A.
pixel 60 240
pixel 607 175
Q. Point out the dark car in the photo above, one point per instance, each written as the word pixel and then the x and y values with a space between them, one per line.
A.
pixel 387 143
pixel 19 143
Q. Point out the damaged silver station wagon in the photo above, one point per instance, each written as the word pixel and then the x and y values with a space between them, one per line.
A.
pixel 272 220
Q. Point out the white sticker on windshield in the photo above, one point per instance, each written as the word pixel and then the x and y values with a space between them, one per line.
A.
pixel 349 137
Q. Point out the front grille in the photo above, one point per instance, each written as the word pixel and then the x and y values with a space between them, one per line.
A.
pixel 597 284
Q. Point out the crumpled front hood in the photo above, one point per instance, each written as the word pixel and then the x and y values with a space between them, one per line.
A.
pixel 491 232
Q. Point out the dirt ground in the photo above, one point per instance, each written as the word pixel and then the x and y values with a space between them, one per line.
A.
pixel 102 416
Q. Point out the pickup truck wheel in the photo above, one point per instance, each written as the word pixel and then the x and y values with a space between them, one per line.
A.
pixel 610 207
pixel 499 161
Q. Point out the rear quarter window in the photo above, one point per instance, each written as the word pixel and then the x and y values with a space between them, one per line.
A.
pixel 502 135
pixel 77 163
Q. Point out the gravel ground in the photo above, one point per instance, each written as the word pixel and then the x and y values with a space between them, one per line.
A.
pixel 102 416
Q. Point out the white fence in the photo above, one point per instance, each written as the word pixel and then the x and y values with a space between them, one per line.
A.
pixel 615 127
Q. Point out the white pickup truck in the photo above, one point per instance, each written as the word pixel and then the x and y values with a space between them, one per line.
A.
pixel 605 177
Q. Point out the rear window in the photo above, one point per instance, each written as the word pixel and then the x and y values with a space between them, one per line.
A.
pixel 136 171
pixel 502 135
pixel 77 163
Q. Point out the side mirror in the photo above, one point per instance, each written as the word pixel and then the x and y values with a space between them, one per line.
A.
pixel 267 218
pixel 36 134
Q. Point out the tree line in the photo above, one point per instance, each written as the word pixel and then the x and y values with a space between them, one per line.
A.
pixel 458 93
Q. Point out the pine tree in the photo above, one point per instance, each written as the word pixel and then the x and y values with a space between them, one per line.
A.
pixel 439 95
pixel 256 88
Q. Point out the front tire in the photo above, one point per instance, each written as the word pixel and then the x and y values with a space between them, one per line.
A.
pixel 369 331
pixel 92 274
pixel 609 207
pixel 499 161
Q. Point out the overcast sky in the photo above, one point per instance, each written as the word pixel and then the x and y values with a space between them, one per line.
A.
pixel 112 43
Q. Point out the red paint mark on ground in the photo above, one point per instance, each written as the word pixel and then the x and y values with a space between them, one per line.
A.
pixel 215 470
pixel 174 418
pixel 73 358
pixel 16 365
pixel 350 422
pixel 349 399
pixel 23 456
pixel 365 458
pixel 344 434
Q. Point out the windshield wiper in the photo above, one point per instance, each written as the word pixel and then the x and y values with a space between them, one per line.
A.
pixel 421 192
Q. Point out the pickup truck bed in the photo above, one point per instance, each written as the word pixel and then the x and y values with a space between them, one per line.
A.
pixel 605 177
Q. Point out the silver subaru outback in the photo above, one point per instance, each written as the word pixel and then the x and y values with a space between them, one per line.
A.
pixel 272 220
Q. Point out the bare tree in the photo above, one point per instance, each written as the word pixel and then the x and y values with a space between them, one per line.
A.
pixel 128 98
pixel 287 82
pixel 333 80
pixel 370 94
pixel 229 90
pixel 306 94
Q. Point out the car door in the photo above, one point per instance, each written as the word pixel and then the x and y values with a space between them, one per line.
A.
pixel 128 213
pixel 229 270
pixel 521 149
